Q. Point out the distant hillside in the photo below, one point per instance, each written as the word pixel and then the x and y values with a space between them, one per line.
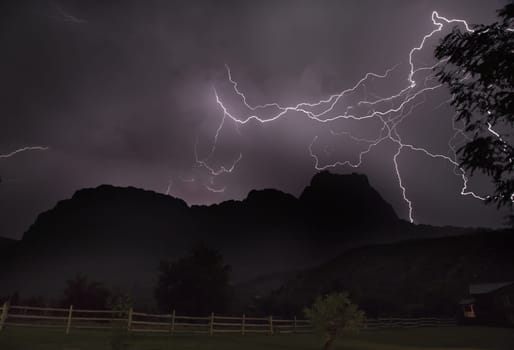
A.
pixel 7 246
pixel 6 243
pixel 119 235
pixel 415 277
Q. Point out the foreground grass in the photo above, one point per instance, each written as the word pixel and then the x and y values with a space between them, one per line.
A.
pixel 451 338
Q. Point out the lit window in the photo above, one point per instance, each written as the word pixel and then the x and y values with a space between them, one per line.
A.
pixel 469 311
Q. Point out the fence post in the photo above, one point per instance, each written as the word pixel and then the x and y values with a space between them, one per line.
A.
pixel 172 328
pixel 3 316
pixel 68 324
pixel 271 325
pixel 129 320
pixel 243 325
pixel 294 325
pixel 211 331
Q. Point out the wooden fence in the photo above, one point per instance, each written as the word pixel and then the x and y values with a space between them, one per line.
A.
pixel 397 322
pixel 70 318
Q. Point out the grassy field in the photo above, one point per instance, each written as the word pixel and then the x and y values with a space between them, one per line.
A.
pixel 462 338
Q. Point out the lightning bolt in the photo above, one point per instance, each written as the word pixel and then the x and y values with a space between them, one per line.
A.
pixel 215 190
pixel 169 187
pixel 23 149
pixel 390 111
pixel 216 171
pixel 204 162
pixel 64 16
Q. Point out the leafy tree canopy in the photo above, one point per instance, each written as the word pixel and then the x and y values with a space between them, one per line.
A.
pixel 334 313
pixel 85 294
pixel 197 284
pixel 478 68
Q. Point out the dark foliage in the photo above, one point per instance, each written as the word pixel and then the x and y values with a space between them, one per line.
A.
pixel 194 285
pixel 85 294
pixel 16 299
pixel 334 313
pixel 478 68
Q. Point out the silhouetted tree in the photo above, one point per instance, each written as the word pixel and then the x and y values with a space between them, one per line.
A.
pixel 14 298
pixel 478 68
pixel 38 301
pixel 119 301
pixel 333 314
pixel 85 294
pixel 197 284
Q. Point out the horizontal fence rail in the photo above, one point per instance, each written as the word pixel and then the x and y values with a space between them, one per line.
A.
pixel 395 322
pixel 132 321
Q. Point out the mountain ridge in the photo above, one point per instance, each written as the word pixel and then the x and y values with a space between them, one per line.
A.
pixel 118 235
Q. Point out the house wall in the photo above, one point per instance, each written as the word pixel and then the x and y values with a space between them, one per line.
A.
pixel 503 300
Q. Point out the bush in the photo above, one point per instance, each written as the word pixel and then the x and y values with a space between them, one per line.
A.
pixel 333 314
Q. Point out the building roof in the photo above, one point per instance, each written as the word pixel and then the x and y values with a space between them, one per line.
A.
pixel 485 288
pixel 467 301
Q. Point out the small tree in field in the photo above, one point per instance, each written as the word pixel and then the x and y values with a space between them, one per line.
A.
pixel 333 314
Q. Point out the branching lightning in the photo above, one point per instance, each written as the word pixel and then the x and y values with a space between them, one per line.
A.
pixel 390 111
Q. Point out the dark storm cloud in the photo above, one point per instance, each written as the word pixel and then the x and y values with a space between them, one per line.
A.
pixel 120 91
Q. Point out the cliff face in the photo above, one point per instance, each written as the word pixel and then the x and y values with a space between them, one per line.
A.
pixel 119 235
pixel 338 202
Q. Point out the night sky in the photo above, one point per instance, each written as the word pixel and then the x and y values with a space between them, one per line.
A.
pixel 121 92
